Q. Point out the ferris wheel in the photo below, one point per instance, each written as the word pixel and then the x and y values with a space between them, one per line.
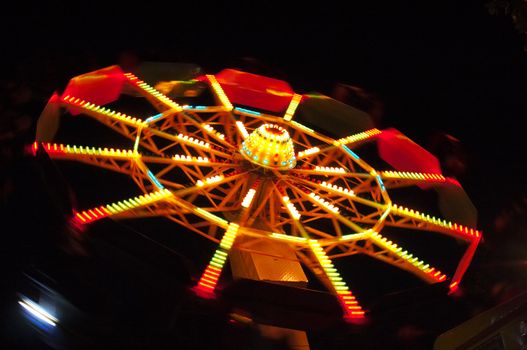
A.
pixel 236 175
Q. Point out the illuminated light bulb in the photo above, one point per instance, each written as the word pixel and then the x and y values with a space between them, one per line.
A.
pixel 291 208
pixel 213 131
pixel 327 169
pixel 346 298
pixel 248 198
pixel 209 180
pixel 151 91
pixel 413 175
pixel 303 127
pixel 357 137
pixel 210 276
pixel 308 152
pixel 453 286
pixel 242 129
pixel 324 203
pixel 79 216
pixel 118 207
pixel 219 92
pixel 100 110
pixel 229 236
pixel 185 158
pixel 193 141
pixel 435 221
pixel 288 238
pixel 295 101
pixel 420 264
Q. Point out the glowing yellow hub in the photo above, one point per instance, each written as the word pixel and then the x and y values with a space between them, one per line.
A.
pixel 269 146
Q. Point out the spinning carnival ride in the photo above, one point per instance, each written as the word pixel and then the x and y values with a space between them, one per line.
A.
pixel 237 176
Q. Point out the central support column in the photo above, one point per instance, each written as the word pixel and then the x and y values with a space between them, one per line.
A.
pixel 283 266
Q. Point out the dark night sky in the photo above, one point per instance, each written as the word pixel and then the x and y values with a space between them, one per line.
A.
pixel 443 66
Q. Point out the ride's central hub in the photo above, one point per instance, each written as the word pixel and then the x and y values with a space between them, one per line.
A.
pixel 269 146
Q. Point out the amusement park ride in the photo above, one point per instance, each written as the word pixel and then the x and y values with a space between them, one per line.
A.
pixel 244 173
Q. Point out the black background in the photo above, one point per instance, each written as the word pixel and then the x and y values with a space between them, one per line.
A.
pixel 442 66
